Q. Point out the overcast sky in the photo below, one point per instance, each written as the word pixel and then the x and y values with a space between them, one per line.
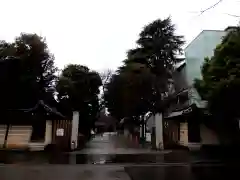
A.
pixel 97 33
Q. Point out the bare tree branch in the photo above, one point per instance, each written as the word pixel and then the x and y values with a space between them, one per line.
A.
pixel 105 76
pixel 211 7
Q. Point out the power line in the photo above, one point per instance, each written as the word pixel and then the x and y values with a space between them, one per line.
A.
pixel 212 6
pixel 233 15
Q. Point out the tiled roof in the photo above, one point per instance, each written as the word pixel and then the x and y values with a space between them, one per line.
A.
pixel 46 107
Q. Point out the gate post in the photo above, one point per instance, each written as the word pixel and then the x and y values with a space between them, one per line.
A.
pixel 159 131
pixel 75 122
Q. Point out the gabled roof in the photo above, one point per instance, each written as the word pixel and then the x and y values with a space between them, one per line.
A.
pixel 46 107
pixel 49 109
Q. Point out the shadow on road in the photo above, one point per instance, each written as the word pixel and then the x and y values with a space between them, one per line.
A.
pixel 184 172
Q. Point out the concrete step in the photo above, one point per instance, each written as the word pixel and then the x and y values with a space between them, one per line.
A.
pixel 36 146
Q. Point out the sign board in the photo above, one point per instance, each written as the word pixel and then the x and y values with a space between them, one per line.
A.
pixel 148 137
pixel 60 132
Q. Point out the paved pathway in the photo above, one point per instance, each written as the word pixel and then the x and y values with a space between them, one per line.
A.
pixel 113 158
pixel 63 172
pixel 85 164
pixel 115 144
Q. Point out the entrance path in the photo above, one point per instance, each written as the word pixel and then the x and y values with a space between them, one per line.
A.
pixel 112 157
pixel 63 172
pixel 115 144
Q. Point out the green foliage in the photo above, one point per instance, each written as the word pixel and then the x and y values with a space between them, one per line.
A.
pixel 27 75
pixel 221 75
pixel 221 81
pixel 129 93
pixel 78 90
pixel 26 72
pixel 158 47
pixel 139 84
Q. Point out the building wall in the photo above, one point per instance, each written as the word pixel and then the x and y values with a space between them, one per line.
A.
pixel 3 129
pixel 179 77
pixel 202 46
pixel 19 136
pixel 208 137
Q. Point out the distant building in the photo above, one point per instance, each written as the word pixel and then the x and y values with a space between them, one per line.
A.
pixel 183 114
pixel 196 51
pixel 105 123
pixel 200 47
pixel 36 127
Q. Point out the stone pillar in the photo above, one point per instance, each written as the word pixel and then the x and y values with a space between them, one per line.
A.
pixel 153 137
pixel 159 131
pixel 48 132
pixel 184 134
pixel 126 132
pixel 75 122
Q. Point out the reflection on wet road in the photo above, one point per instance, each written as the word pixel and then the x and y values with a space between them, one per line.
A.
pixel 112 157
pixel 106 149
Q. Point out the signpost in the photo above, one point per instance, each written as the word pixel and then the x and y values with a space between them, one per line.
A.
pixel 60 132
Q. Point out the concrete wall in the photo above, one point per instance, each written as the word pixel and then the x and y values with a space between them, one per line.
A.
pixel 3 129
pixel 19 136
pixel 208 137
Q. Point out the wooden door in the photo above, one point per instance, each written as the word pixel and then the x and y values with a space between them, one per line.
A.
pixel 62 130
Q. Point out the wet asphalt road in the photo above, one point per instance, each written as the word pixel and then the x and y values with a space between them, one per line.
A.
pixel 112 157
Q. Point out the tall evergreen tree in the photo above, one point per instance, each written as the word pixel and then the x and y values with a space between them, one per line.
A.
pixel 139 84
pixel 78 90
pixel 28 72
